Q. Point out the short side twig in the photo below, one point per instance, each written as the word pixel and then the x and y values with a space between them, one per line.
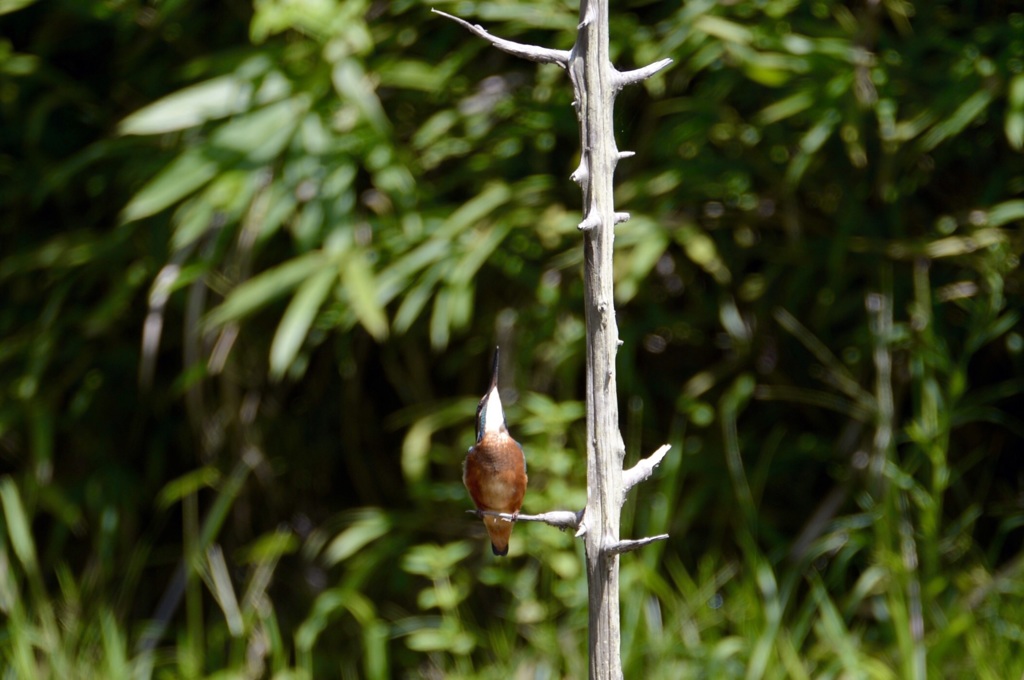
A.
pixel 643 469
pixel 543 55
pixel 626 546
pixel 623 78
pixel 563 519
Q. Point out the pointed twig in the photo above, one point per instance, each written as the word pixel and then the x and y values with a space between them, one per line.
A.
pixel 628 545
pixel 624 78
pixel 543 55
pixel 563 519
pixel 580 175
pixel 591 221
pixel 643 469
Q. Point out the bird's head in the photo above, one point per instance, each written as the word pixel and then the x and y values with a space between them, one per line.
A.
pixel 490 418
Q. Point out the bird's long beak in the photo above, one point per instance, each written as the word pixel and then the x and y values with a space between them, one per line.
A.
pixel 494 376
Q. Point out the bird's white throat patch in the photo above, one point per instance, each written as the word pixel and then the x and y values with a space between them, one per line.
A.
pixel 494 417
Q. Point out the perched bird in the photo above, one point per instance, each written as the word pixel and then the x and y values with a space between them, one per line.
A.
pixel 494 471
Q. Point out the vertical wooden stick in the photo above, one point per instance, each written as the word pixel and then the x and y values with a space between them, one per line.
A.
pixel 591 73
pixel 595 83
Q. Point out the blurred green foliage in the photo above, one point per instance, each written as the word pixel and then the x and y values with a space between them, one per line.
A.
pixel 255 258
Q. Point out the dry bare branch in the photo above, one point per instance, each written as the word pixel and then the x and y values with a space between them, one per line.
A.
pixel 643 469
pixel 623 78
pixel 543 55
pixel 631 545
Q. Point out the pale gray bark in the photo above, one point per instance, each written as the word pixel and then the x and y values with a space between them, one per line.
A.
pixel 595 83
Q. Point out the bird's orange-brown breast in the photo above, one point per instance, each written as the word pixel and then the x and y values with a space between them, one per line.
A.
pixel 495 476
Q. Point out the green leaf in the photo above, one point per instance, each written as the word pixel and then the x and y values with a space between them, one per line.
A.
pixel 810 144
pixel 260 290
pixel 115 648
pixel 8 6
pixel 370 525
pixel 361 289
pixel 436 561
pixel 412 75
pixel 1015 113
pixel 297 319
pixel 972 107
pixel 480 248
pixel 441 319
pixel 261 135
pixel 416 450
pixel 187 173
pixel 494 195
pixel 18 526
pixel 416 299
pixel 1007 211
pixel 189 107
pixel 785 108
pixel 724 29
pixel 205 477
pixel 270 547
pixel 353 86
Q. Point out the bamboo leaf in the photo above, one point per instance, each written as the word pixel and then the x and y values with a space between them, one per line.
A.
pixel 260 135
pixel 191 106
pixel 972 107
pixel 188 484
pixel 187 173
pixel 1014 125
pixel 370 525
pixel 260 290
pixel 18 525
pixel 361 289
pixel 724 29
pixel 297 319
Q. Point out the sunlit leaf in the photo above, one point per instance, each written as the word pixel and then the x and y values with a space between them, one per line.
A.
pixel 8 6
pixel 416 450
pixel 261 134
pixel 370 524
pixel 967 112
pixel 494 195
pixel 188 484
pixel 723 29
pixel 298 317
pixel 411 74
pixel 1015 113
pixel 784 108
pixel 260 290
pixel 215 98
pixel 361 289
pixel 270 547
pixel 1006 212
pixel 18 525
pixel 441 318
pixel 416 298
pixel 481 247
pixel 436 561
pixel 352 85
pixel 191 170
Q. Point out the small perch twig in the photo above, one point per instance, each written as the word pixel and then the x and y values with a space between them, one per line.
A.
pixel 563 519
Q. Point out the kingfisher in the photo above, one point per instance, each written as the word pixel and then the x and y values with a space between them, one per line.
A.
pixel 494 471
